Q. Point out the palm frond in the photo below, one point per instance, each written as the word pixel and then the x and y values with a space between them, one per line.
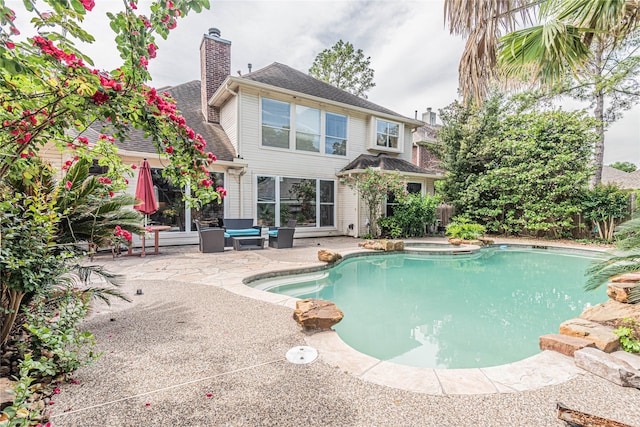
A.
pixel 617 263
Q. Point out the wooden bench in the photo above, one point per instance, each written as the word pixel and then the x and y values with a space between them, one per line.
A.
pixel 251 242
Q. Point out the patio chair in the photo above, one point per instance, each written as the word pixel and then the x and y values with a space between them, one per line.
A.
pixel 210 239
pixel 281 237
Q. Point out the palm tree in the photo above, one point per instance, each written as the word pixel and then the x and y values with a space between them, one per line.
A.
pixel 624 259
pixel 577 38
pixel 89 214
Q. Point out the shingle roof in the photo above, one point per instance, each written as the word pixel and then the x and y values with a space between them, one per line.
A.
pixel 285 77
pixel 386 163
pixel 187 96
pixel 626 180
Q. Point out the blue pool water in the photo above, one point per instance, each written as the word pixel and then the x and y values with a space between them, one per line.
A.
pixel 449 311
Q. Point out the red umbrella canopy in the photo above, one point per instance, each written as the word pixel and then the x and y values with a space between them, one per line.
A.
pixel 144 190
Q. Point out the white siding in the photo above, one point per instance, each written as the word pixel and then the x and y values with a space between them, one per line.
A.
pixel 229 120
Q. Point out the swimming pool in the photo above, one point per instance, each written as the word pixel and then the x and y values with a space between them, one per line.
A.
pixel 449 311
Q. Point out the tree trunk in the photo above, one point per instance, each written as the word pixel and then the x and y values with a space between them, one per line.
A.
pixel 598 113
pixel 12 299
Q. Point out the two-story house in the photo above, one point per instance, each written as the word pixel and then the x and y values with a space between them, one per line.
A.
pixel 284 142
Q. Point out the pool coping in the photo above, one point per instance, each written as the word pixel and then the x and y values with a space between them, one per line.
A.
pixel 543 369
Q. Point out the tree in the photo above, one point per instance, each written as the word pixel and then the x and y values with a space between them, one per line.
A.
pixel 624 166
pixel 586 49
pixel 603 205
pixel 374 186
pixel 51 95
pixel 345 68
pixel 516 172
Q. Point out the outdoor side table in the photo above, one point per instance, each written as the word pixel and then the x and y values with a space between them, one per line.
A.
pixel 156 229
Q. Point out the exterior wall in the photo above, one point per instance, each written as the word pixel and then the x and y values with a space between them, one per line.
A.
pixel 270 161
pixel 229 121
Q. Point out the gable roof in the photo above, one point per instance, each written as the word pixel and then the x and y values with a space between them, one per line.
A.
pixel 284 77
pixel 625 180
pixel 187 96
pixel 386 163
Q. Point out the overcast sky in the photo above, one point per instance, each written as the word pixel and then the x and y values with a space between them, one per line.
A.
pixel 414 57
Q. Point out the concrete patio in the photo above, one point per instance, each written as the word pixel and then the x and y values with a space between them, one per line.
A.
pixel 199 348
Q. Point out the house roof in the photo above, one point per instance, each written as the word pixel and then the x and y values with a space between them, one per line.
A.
pixel 626 180
pixel 187 96
pixel 285 77
pixel 385 163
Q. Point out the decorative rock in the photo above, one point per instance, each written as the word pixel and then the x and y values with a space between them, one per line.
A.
pixel 383 245
pixel 329 256
pixel 458 242
pixel 564 344
pixel 601 335
pixel 611 310
pixel 608 367
pixel 620 291
pixel 632 359
pixel 485 241
pixel 627 278
pixel 6 399
pixel 317 314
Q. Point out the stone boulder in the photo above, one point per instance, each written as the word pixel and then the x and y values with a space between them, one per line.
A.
pixel 458 242
pixel 329 256
pixel 601 335
pixel 317 314
pixel 6 398
pixel 619 291
pixel 627 278
pixel 608 367
pixel 383 245
pixel 564 344
pixel 611 311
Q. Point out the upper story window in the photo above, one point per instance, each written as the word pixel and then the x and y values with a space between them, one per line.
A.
pixel 307 129
pixel 303 128
pixel 335 134
pixel 276 123
pixel 387 134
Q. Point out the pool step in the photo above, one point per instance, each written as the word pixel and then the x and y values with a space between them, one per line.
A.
pixel 564 344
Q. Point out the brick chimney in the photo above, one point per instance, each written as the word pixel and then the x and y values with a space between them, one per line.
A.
pixel 215 67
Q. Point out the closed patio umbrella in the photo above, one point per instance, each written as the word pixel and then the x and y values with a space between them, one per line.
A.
pixel 144 192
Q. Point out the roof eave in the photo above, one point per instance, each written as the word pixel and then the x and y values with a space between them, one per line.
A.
pixel 436 175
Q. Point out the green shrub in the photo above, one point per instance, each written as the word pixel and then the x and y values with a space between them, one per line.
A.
pixel 463 228
pixel 411 215
pixel 629 334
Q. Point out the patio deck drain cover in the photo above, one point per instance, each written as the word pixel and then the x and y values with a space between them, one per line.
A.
pixel 302 355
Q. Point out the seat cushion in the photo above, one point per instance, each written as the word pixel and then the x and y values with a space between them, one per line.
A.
pixel 242 232
pixel 273 233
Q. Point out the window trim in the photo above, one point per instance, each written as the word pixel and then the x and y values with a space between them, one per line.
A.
pixel 278 179
pixel 293 131
pixel 373 145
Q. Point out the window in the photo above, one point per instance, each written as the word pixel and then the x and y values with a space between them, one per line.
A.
pixel 171 207
pixel 266 200
pixel 387 134
pixel 298 201
pixel 307 129
pixel 336 134
pixel 276 117
pixel 211 214
pixel 412 188
pixel 296 198
pixel 327 201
